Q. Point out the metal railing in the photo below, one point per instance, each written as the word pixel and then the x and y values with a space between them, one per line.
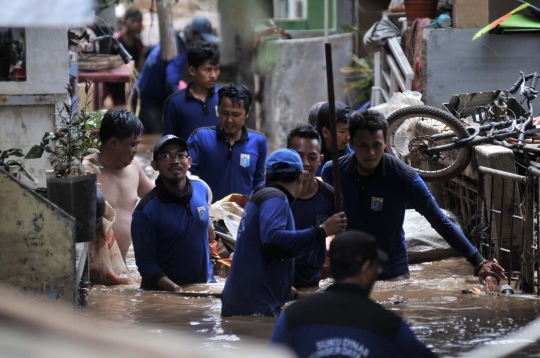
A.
pixel 508 219
pixel 392 72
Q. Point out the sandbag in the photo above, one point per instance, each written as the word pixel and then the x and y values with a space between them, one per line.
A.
pixel 106 264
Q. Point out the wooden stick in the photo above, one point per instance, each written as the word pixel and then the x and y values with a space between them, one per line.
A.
pixel 333 133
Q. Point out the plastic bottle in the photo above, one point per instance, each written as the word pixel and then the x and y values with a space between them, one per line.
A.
pixel 507 290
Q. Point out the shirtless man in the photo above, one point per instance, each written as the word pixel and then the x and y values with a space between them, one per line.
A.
pixel 122 178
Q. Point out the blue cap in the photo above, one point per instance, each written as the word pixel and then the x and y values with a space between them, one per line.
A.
pixel 202 25
pixel 284 161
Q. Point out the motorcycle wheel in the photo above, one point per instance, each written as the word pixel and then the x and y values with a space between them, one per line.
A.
pixel 415 127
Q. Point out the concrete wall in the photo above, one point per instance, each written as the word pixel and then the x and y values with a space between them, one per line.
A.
pixel 454 64
pixel 27 109
pixel 298 80
pixel 38 244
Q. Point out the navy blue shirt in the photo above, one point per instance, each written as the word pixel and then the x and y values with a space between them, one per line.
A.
pixel 328 157
pixel 183 113
pixel 158 79
pixel 376 204
pixel 262 271
pixel 307 213
pixel 228 169
pixel 170 240
pixel 344 322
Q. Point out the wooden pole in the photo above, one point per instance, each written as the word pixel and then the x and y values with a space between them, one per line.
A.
pixel 333 133
pixel 166 31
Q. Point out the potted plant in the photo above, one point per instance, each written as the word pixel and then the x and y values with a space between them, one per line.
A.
pixel 74 188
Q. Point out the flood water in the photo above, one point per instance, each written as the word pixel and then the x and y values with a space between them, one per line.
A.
pixel 431 301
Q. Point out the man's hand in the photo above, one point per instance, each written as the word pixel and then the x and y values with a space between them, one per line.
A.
pixel 335 224
pixel 294 294
pixel 491 269
pixel 178 289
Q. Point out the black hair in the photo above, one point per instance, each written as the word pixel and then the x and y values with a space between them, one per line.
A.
pixel 282 177
pixel 200 52
pixel 303 131
pixel 132 12
pixel 373 121
pixel 237 93
pixel 121 124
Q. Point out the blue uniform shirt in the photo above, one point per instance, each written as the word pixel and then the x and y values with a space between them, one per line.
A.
pixel 228 169
pixel 170 240
pixel 307 213
pixel 376 204
pixel 328 157
pixel 262 271
pixel 158 79
pixel 183 113
pixel 344 322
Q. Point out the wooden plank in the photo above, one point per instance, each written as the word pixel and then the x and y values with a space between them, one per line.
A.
pixel 470 13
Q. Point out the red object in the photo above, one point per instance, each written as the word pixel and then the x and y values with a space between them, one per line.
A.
pixel 19 73
pixel 415 9
pixel 117 75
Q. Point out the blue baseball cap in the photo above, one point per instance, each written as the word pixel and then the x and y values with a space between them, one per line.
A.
pixel 284 161
pixel 202 25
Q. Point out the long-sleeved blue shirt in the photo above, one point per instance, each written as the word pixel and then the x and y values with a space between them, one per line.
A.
pixel 170 239
pixel 228 169
pixel 344 322
pixel 158 79
pixel 376 204
pixel 328 157
pixel 183 113
pixel 307 213
pixel 262 270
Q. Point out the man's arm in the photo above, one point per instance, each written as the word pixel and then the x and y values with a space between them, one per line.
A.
pixel 281 334
pixel 421 199
pixel 145 184
pixel 144 246
pixel 173 72
pixel 170 117
pixel 408 345
pixel 194 148
pixel 258 178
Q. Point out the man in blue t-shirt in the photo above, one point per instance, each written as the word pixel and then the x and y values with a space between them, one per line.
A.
pixel 229 157
pixel 196 105
pixel 319 117
pixel 170 223
pixel 378 188
pixel 314 204
pixel 262 271
pixel 158 78
pixel 343 321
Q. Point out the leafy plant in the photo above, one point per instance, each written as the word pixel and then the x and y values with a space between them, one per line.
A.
pixel 15 152
pixel 360 76
pixel 75 138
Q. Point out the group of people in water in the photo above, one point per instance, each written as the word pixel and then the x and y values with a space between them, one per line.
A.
pixel 281 240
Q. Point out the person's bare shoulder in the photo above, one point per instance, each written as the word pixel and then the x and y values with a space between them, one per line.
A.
pixel 92 158
pixel 145 184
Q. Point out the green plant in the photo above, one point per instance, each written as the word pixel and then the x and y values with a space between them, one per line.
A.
pixel 15 152
pixel 359 74
pixel 75 138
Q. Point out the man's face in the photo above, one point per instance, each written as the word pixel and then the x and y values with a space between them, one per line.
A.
pixel 172 163
pixel 310 153
pixel 134 24
pixel 127 149
pixel 368 149
pixel 342 134
pixel 231 117
pixel 205 76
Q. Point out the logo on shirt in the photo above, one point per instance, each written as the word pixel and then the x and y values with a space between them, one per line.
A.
pixel 244 160
pixel 321 219
pixel 376 203
pixel 202 213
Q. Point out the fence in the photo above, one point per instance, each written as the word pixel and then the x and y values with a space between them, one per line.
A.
pixel 507 222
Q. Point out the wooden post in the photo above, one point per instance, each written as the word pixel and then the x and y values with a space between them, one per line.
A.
pixel 167 38
pixel 332 108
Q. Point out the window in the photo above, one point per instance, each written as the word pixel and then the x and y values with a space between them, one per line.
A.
pixel 12 54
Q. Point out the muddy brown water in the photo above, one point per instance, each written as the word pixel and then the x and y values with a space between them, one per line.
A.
pixel 431 301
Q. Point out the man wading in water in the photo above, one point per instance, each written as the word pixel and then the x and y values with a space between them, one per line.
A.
pixel 122 178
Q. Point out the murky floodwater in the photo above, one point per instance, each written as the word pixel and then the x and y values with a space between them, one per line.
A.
pixel 447 320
